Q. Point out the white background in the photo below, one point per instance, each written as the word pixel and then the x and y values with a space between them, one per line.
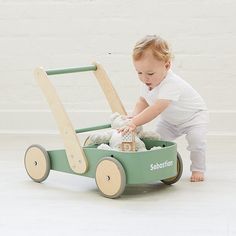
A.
pixel 68 33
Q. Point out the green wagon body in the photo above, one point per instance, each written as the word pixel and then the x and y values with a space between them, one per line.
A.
pixel 140 167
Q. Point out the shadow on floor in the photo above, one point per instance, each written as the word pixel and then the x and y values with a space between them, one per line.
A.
pixel 131 190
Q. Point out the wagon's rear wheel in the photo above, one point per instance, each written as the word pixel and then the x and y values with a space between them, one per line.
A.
pixel 110 177
pixel 176 178
pixel 37 163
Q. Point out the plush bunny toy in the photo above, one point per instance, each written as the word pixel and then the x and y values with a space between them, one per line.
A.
pixel 111 139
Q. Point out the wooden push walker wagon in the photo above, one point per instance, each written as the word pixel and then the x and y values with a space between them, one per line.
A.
pixel 112 170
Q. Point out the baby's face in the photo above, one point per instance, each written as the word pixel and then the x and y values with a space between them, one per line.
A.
pixel 150 70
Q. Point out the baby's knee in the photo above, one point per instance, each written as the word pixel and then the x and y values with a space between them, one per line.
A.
pixel 196 141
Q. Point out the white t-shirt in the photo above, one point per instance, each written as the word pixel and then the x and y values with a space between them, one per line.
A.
pixel 186 102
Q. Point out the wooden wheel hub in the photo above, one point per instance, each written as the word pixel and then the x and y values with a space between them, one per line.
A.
pixel 110 177
pixel 37 163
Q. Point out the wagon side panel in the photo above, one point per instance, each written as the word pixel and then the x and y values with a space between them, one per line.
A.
pixel 150 166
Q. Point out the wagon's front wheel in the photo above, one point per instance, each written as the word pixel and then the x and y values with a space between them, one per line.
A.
pixel 37 163
pixel 176 178
pixel 110 177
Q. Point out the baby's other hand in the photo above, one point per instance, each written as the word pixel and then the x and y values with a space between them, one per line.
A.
pixel 129 117
pixel 127 128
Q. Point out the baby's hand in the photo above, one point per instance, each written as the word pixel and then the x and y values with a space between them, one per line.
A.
pixel 129 117
pixel 127 128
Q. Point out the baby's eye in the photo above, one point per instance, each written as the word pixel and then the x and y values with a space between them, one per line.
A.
pixel 139 73
pixel 150 73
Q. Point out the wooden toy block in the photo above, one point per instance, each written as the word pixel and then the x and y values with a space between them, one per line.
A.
pixel 128 142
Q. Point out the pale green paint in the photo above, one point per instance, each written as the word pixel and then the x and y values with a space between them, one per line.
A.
pixel 71 70
pixel 135 164
pixel 106 126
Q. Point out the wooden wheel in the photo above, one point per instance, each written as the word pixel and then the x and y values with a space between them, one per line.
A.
pixel 110 177
pixel 176 178
pixel 37 163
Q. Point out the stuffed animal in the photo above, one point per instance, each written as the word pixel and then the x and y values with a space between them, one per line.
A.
pixel 112 140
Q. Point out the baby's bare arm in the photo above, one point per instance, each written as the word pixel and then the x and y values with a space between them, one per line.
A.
pixel 140 106
pixel 148 114
pixel 151 112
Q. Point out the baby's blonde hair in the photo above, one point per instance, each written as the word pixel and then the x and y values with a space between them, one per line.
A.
pixel 156 44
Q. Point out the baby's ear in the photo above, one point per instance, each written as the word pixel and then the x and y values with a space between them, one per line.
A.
pixel 114 116
pixel 168 64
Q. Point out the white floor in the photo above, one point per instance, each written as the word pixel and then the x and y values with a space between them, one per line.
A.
pixel 68 204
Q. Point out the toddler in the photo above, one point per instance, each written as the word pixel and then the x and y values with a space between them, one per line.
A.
pixel 181 110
